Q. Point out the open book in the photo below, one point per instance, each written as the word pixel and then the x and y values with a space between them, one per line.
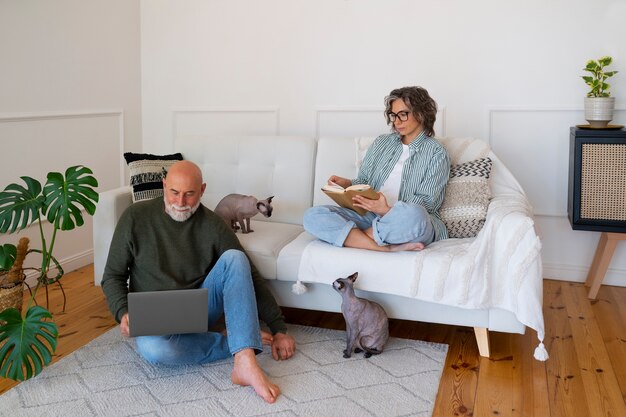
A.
pixel 343 196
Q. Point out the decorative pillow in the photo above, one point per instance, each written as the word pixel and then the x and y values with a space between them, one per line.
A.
pixel 147 172
pixel 464 207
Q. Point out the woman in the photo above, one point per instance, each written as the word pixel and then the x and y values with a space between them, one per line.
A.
pixel 409 169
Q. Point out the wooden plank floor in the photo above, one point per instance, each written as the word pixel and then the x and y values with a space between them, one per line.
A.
pixel 586 340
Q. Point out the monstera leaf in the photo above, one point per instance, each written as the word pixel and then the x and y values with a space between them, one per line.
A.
pixel 26 346
pixel 64 195
pixel 20 206
pixel 8 253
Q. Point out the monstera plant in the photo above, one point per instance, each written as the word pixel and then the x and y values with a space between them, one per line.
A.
pixel 28 342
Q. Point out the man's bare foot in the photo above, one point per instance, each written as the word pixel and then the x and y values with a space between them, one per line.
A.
pixel 407 246
pixel 247 372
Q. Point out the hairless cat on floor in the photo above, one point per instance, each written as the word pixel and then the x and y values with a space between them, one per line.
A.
pixel 367 324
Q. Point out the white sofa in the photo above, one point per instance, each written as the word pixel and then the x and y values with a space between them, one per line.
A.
pixel 453 284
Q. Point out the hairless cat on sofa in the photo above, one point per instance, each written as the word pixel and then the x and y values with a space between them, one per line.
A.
pixel 239 208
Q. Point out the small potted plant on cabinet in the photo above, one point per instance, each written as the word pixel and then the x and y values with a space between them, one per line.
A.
pixel 28 342
pixel 599 104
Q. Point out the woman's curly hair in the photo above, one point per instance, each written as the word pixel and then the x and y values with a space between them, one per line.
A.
pixel 422 106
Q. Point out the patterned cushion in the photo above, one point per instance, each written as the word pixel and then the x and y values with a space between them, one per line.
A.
pixel 464 207
pixel 147 172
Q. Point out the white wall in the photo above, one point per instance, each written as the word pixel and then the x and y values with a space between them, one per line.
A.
pixel 77 86
pixel 506 72
pixel 69 94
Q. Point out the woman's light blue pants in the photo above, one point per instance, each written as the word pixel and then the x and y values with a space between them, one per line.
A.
pixel 405 222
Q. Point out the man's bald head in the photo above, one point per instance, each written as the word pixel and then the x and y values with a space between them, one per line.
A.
pixel 186 169
pixel 183 188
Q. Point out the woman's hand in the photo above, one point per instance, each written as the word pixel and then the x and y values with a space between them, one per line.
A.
pixel 344 182
pixel 379 207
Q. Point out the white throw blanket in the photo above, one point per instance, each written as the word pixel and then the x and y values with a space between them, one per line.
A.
pixel 499 268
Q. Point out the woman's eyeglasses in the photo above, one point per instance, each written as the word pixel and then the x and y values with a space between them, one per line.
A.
pixel 402 115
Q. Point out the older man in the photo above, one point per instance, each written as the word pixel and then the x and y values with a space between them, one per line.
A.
pixel 177 243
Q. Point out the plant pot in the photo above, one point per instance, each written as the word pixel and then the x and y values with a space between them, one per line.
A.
pixel 11 295
pixel 599 111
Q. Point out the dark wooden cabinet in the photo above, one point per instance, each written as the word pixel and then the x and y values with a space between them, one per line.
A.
pixel 597 180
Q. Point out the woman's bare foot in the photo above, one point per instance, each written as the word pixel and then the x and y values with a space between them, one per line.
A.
pixel 364 239
pixel 407 246
pixel 247 372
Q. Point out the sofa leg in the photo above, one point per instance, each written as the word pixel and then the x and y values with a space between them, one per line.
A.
pixel 482 339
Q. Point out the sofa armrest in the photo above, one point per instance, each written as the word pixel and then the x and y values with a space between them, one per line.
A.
pixel 111 205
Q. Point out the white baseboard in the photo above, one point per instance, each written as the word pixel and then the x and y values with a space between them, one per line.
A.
pixel 576 273
pixel 68 264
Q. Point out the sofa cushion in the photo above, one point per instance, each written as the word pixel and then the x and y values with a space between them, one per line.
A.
pixel 264 244
pixel 147 172
pixel 261 166
pixel 464 207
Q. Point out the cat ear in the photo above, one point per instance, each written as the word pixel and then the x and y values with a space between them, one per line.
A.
pixel 353 276
pixel 269 199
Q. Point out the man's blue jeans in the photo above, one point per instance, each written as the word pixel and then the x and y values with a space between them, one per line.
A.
pixel 405 222
pixel 231 292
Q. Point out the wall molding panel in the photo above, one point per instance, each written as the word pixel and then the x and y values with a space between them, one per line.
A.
pixel 516 134
pixel 89 139
pixel 261 120
pixel 48 115
pixel 53 141
pixel 360 121
pixel 492 111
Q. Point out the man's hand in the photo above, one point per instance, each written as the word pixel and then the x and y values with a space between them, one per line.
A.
pixel 124 326
pixel 283 346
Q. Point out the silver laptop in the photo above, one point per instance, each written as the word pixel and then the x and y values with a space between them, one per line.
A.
pixel 153 313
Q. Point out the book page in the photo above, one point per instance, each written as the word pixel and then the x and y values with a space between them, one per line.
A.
pixel 333 188
pixel 344 198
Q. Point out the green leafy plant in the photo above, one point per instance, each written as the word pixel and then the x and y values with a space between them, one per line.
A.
pixel 8 252
pixel 599 88
pixel 28 343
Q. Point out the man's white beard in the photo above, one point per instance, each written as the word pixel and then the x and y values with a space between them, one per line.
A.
pixel 180 213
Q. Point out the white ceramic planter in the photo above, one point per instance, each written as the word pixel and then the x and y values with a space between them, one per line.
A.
pixel 599 110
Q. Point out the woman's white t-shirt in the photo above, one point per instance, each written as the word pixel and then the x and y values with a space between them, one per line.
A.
pixel 391 187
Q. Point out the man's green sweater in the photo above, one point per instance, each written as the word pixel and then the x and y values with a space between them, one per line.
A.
pixel 151 251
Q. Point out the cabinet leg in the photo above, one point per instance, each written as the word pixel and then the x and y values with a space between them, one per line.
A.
pixel 601 260
pixel 482 339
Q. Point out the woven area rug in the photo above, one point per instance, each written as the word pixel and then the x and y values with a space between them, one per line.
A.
pixel 108 378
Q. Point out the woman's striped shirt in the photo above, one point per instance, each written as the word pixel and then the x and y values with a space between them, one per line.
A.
pixel 424 175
